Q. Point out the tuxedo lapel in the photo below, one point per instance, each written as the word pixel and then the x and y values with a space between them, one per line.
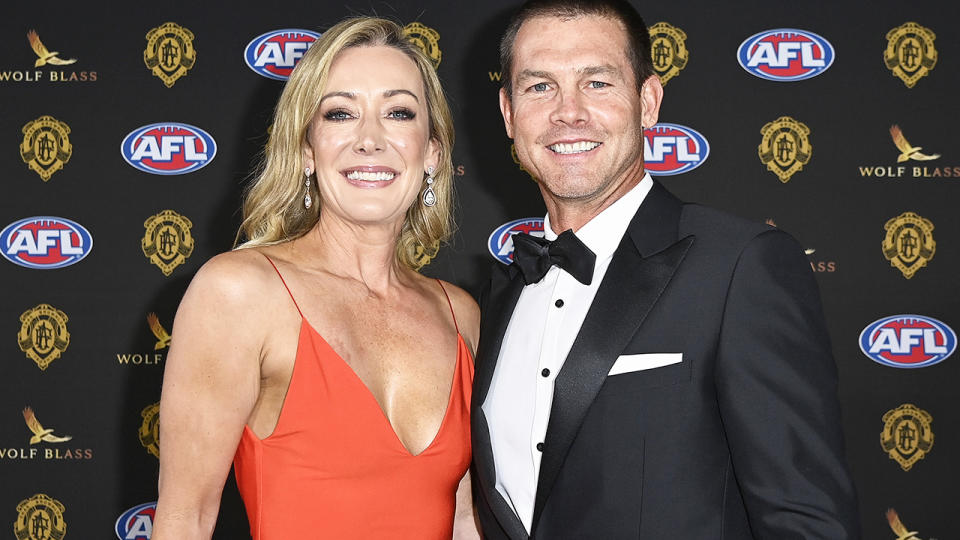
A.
pixel 497 305
pixel 640 270
pixel 497 308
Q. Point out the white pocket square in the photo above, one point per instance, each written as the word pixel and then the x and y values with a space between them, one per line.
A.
pixel 629 363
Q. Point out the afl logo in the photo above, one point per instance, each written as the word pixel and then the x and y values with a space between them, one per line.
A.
pixel 275 54
pixel 168 148
pixel 137 522
pixel 500 243
pixel 785 55
pixel 908 341
pixel 45 242
pixel 673 149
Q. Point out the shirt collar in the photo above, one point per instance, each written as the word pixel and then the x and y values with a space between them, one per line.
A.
pixel 602 234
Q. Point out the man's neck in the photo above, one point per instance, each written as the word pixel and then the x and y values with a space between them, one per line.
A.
pixel 575 213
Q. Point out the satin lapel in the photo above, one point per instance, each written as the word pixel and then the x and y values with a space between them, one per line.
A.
pixel 632 285
pixel 497 308
pixel 483 464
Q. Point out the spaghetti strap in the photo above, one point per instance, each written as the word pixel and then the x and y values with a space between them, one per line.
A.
pixel 449 303
pixel 288 288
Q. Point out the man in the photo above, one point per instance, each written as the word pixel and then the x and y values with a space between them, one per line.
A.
pixel 665 372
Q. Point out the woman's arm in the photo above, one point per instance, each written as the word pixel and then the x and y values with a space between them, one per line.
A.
pixel 210 386
pixel 466 526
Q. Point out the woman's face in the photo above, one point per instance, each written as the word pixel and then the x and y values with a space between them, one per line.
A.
pixel 369 142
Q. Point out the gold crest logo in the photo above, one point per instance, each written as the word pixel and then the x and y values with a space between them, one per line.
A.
pixel 46 146
pixel 40 434
pixel 908 244
pixel 40 518
pixel 908 151
pixel 668 50
pixel 43 334
pixel 785 147
pixel 426 38
pixel 169 53
pixel 899 528
pixel 167 241
pixel 906 435
pixel 163 337
pixel 910 54
pixel 44 56
pixel 150 429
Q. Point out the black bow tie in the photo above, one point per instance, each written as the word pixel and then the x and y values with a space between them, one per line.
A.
pixel 535 256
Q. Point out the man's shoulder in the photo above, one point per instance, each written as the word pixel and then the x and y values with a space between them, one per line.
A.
pixel 715 225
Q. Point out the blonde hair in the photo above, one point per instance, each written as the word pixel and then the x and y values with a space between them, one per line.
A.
pixel 273 209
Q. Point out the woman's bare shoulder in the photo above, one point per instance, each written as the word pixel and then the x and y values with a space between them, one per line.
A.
pixel 467 312
pixel 241 280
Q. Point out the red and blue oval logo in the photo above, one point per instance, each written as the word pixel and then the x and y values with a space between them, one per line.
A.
pixel 500 242
pixel 785 55
pixel 670 149
pixel 908 341
pixel 275 54
pixel 168 148
pixel 137 522
pixel 45 242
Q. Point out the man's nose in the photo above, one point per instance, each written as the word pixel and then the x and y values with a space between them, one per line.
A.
pixel 570 108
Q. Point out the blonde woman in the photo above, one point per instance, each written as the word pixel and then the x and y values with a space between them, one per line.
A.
pixel 315 357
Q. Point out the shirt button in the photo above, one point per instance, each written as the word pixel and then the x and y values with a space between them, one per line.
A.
pixel 559 302
pixel 545 372
pixel 539 447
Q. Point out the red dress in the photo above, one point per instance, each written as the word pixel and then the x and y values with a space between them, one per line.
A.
pixel 333 466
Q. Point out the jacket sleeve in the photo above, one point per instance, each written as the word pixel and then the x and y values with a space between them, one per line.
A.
pixel 777 391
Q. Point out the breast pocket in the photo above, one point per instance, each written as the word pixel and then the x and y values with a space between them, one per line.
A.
pixel 633 372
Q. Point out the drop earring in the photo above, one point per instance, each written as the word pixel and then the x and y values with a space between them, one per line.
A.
pixel 429 197
pixel 307 201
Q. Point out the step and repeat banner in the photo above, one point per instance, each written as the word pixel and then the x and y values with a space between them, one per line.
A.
pixel 127 136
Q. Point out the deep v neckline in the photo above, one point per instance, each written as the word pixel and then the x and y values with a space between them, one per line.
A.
pixel 305 325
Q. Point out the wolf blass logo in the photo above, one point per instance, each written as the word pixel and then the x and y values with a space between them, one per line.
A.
pixel 45 57
pixel 899 529
pixel 908 153
pixel 40 435
pixel 149 358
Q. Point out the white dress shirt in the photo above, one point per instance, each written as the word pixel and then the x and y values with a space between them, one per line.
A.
pixel 545 322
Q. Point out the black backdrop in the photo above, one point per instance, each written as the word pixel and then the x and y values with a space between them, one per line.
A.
pixel 100 390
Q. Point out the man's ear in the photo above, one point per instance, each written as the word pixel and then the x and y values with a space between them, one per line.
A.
pixel 651 95
pixel 507 111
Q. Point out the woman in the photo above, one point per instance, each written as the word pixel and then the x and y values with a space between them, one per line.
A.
pixel 316 357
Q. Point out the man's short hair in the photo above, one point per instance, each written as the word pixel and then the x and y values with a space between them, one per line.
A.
pixel 638 38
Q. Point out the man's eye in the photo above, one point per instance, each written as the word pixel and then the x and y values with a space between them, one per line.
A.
pixel 540 87
pixel 598 84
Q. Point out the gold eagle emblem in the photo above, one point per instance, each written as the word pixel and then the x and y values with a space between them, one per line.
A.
pixel 908 151
pixel 45 56
pixel 39 433
pixel 898 528
pixel 163 337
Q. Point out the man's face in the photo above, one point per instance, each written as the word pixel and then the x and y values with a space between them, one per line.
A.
pixel 576 116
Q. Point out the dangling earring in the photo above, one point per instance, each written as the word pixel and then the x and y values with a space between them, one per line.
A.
pixel 429 197
pixel 307 201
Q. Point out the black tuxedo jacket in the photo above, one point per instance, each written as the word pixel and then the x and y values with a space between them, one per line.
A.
pixel 741 439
